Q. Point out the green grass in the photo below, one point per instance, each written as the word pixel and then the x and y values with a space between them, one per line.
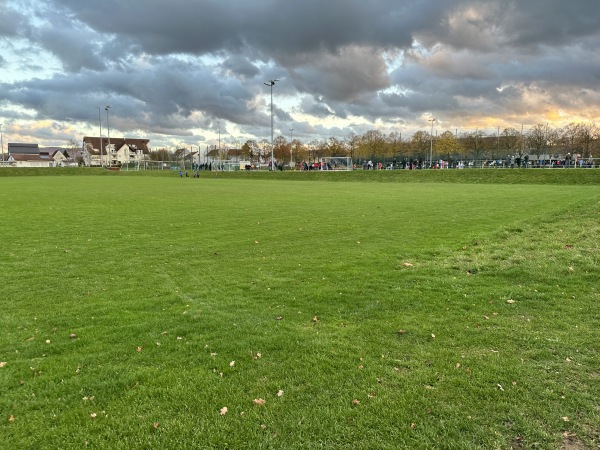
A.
pixel 499 306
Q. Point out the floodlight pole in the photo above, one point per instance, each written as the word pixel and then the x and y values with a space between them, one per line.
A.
pixel 100 123
pixel 431 145
pixel 271 83
pixel 291 144
pixel 2 143
pixel 107 107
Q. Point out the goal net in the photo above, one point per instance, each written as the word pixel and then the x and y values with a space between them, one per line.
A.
pixel 336 163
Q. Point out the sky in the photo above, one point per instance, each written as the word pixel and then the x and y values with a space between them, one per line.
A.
pixel 192 72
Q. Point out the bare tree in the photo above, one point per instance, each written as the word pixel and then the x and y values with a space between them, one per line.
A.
pixel 570 136
pixel 352 143
pixel 536 139
pixel 510 141
pixel 588 133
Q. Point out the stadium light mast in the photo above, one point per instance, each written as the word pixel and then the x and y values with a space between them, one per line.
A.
pixel 431 145
pixel 107 107
pixel 2 142
pixel 271 83
pixel 100 123
pixel 291 144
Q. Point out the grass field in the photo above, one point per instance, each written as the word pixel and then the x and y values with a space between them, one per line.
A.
pixel 360 315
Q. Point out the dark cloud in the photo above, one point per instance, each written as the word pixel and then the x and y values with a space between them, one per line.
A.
pixel 240 66
pixel 177 67
pixel 13 22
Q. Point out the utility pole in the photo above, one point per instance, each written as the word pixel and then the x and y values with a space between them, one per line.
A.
pixel 107 107
pixel 291 144
pixel 431 145
pixel 271 83
pixel 100 124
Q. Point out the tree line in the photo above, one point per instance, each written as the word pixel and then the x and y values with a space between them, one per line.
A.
pixel 575 138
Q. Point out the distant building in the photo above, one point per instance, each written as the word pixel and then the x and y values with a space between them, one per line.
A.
pixel 23 149
pixel 62 156
pixel 18 160
pixel 97 152
pixel 28 155
pixel 31 155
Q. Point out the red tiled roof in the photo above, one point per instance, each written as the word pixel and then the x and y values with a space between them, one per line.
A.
pixel 140 144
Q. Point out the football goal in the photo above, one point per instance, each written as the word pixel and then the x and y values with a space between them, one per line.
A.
pixel 336 163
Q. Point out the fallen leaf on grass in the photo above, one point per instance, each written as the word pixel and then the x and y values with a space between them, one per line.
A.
pixel 139 349
pixel 401 331
pixel 2 363
pixel 155 425
pixel 315 319
pixel 232 363
pixel 412 426
pixel 263 426
pixel 223 410
pixel 510 301
pixel 73 336
pixel 407 264
pixel 11 418
pixel 565 418
pixel 93 415
pixel 279 393
pixel 258 402
pixel 356 402
pixel 458 365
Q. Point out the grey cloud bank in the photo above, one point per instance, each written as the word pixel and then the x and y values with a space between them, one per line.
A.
pixel 172 70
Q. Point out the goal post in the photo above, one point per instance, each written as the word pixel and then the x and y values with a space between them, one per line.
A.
pixel 336 163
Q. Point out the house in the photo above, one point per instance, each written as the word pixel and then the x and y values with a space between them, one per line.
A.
pixel 28 155
pixel 224 154
pixel 213 155
pixel 30 160
pixel 62 156
pixel 97 151
pixel 234 154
